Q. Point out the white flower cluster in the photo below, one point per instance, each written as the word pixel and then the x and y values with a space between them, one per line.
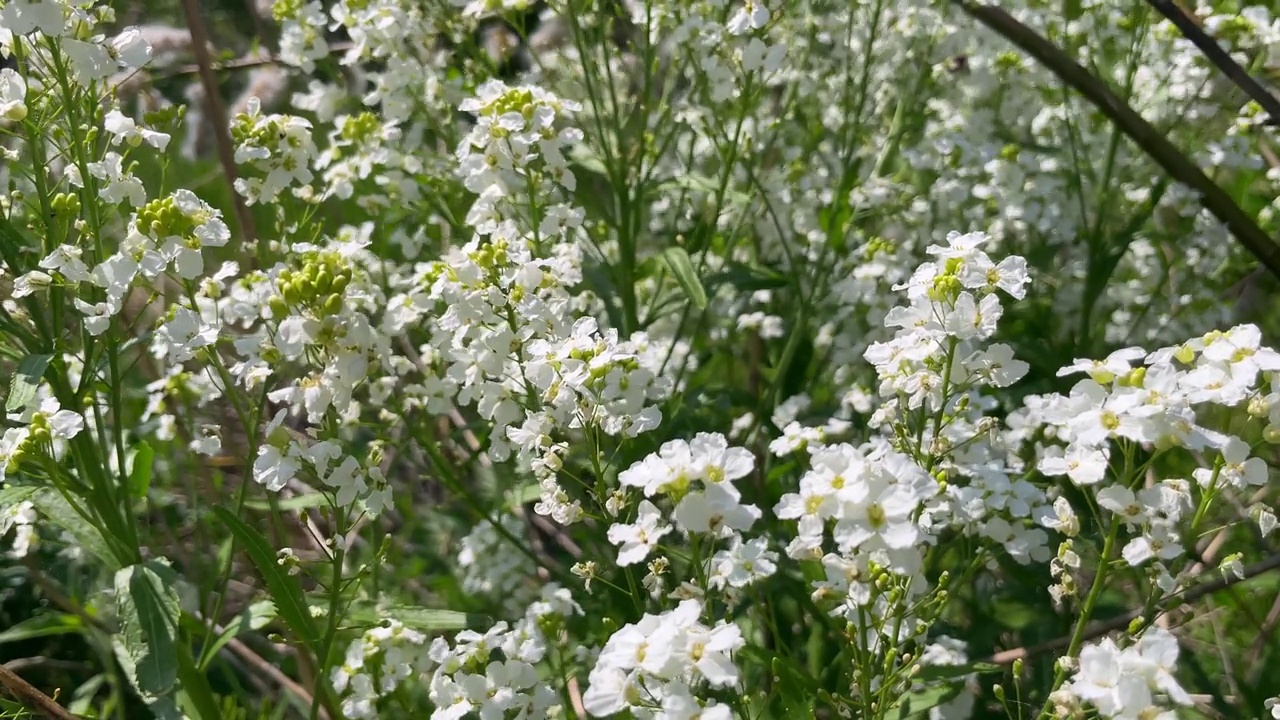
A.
pixel 657 665
pixel 377 663
pixel 952 305
pixel 20 518
pixel 469 679
pixel 1136 682
pixel 503 336
pixel 280 147
pixel 491 567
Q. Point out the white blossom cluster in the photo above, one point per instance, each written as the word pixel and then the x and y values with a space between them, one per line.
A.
pixel 657 664
pixel 1127 683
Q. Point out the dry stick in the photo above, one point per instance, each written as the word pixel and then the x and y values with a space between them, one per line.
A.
pixel 261 664
pixel 243 63
pixel 1120 621
pixel 1191 30
pixel 32 698
pixel 1163 152
pixel 217 114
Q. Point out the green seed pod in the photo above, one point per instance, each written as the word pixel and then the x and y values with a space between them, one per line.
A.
pixel 340 281
pixel 279 308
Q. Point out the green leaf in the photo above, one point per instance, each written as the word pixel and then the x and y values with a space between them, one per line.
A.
pixel 682 269
pixel 147 605
pixel 52 623
pixel 949 672
pixel 1015 615
pixel 419 618
pixel 25 381
pixel 284 588
pixel 526 494
pixel 749 278
pixel 11 495
pixel 194 694
pixel 140 476
pixel 918 704
pixel 297 502
pixel 55 508
pixel 254 617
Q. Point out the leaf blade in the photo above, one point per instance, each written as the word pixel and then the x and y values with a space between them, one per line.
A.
pixel 284 589
pixel 681 267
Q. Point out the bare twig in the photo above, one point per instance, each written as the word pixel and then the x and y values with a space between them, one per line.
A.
pixel 244 63
pixel 1098 629
pixel 32 698
pixel 261 665
pixel 217 114
pixel 1220 58
pixel 1155 144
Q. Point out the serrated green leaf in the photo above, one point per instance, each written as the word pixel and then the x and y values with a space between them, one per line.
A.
pixel 681 268
pixel 147 606
pixel 55 508
pixel 25 382
pixel 143 465
pixel 51 623
pixel 418 618
pixel 284 589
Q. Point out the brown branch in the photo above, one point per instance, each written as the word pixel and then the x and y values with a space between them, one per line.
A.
pixel 1219 57
pixel 32 698
pixel 1156 145
pixel 244 63
pixel 1103 627
pixel 217 114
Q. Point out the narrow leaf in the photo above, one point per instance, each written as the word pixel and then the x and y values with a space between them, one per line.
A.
pixel 26 379
pixel 194 694
pixel 297 502
pixel 918 704
pixel 52 623
pixel 682 269
pixel 254 617
pixel 418 618
pixel 140 476
pixel 284 588
pixel 948 672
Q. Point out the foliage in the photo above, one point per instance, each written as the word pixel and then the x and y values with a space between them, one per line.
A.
pixel 648 359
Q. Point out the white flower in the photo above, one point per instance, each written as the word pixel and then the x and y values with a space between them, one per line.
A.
pixel 23 16
pixel 753 15
pixel 98 315
pixel 124 130
pixel 13 95
pixel 274 468
pixel 120 185
pixel 638 539
pixel 183 334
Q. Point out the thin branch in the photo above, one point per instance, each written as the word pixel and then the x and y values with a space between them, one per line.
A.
pixel 32 698
pixel 1156 145
pixel 243 63
pixel 1220 58
pixel 217 114
pixel 1098 629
